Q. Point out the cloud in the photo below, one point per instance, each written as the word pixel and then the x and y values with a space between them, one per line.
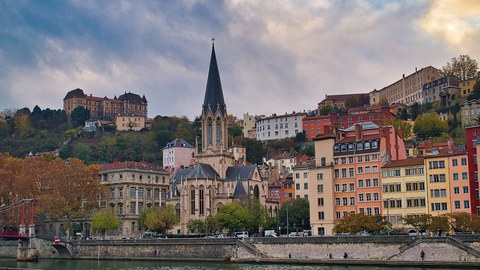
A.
pixel 274 56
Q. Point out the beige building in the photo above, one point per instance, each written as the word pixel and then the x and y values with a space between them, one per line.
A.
pixel 249 122
pixel 469 112
pixel 407 90
pixel 129 122
pixel 132 188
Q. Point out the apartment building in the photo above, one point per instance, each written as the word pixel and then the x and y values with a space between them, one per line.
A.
pixel 472 146
pixel 132 188
pixel 469 112
pixel 404 190
pixel 314 125
pixel 339 101
pixel 249 124
pixel 407 90
pixel 466 86
pixel 278 127
pixel 459 182
pixel 178 153
pixel 441 90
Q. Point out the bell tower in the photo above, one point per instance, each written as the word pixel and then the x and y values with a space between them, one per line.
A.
pixel 214 122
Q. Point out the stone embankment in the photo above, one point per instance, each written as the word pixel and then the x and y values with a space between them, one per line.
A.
pixel 461 250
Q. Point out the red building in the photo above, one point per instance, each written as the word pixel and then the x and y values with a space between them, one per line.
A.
pixel 472 134
pixel 314 125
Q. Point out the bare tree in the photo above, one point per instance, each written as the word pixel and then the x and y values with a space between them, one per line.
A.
pixel 463 67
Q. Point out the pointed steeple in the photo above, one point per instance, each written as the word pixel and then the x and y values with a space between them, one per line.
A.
pixel 214 93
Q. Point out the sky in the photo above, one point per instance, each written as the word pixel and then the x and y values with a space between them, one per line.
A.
pixel 274 56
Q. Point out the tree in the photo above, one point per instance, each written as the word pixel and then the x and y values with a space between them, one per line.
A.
pixel 257 214
pixel 404 126
pixel 300 137
pixel 161 219
pixel 104 220
pixel 82 152
pixel 421 222
pixel 475 94
pixel 461 222
pixel 298 212
pixel 79 116
pixel 415 110
pixel 351 102
pixel 429 125
pixel 325 110
pixel 232 216
pixel 463 67
pixel 196 226
pixel 360 222
pixel 439 224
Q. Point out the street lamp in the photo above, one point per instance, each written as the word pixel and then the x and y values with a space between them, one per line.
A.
pixel 287 218
pixel 388 215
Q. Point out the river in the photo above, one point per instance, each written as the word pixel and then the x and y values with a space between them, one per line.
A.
pixel 57 264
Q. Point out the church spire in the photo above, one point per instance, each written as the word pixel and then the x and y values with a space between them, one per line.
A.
pixel 214 93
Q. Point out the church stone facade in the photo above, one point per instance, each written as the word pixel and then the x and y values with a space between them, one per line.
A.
pixel 199 191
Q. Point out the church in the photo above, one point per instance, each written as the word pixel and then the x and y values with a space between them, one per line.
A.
pixel 199 191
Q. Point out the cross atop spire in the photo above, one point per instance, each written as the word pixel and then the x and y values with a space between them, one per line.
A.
pixel 213 42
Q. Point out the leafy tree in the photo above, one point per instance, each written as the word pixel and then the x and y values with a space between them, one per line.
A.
pixel 325 110
pixel 429 125
pixel 419 222
pixel 255 149
pixel 404 126
pixel 415 110
pixel 404 115
pixel 235 131
pixel 439 224
pixel 298 212
pixel 475 94
pixel 232 216
pixel 82 152
pixel 300 137
pixel 351 102
pixel 257 214
pixel 360 222
pixel 104 220
pixel 79 116
pixel 463 67
pixel 196 226
pixel 161 219
pixel 461 222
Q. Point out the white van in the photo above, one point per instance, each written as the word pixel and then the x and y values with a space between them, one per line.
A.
pixel 241 235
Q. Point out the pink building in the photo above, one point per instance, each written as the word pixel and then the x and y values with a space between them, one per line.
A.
pixel 178 153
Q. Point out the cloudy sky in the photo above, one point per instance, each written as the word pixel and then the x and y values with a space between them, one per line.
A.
pixel 274 56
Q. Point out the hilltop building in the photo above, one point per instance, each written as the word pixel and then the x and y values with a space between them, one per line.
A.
pixel 407 90
pixel 198 192
pixel 277 127
pixel 128 104
pixel 340 101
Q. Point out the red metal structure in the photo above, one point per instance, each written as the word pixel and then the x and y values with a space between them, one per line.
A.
pixel 21 231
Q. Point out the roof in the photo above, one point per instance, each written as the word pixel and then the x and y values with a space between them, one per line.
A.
pixel 405 163
pixel 178 142
pixel 445 153
pixel 239 192
pixel 346 96
pixel 203 171
pixel 76 93
pixel 275 116
pixel 240 172
pixel 133 98
pixel 365 126
pixel 130 165
pixel 214 92
pixel 364 138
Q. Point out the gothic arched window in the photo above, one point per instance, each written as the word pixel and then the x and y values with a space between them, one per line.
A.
pixel 219 132
pixel 209 132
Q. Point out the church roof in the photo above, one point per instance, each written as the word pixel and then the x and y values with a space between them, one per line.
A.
pixel 178 142
pixel 133 98
pixel 239 192
pixel 203 171
pixel 214 92
pixel 235 173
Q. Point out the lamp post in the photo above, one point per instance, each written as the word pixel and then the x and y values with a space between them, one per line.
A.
pixel 388 216
pixel 287 219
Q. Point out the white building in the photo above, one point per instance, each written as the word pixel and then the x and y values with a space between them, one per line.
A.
pixel 178 153
pixel 278 127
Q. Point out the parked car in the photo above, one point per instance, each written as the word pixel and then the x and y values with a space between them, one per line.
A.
pixel 56 240
pixel 241 235
pixel 294 234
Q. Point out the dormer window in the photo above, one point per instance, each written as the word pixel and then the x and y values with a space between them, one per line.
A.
pixel 344 148
pixel 374 145
pixel 359 146
pixel 367 145
pixel 335 148
pixel 351 147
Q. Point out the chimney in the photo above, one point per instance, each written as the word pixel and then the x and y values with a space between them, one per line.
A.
pixel 450 145
pixel 386 135
pixel 358 132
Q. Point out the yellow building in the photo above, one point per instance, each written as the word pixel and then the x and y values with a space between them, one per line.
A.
pixel 404 190
pixel 438 182
pixel 130 122
pixel 466 86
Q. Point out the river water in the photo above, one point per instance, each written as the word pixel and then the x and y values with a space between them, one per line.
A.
pixel 50 264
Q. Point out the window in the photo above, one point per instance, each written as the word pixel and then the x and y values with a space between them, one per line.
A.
pixel 360 197
pixel 407 171
pixel 320 201
pixel 132 192
pixel 132 207
pixel 359 159
pixel 465 190
pixel 352 200
pixel 120 193
pixel 297 175
pixel 367 158
pixel 455 176
pixel 344 187
pixel 368 183
pixel 112 194
pixel 464 176
pixel 337 173
pixel 297 186
pixel 454 164
pixel 337 188
pixel 140 192
pixel 360 183
pixel 466 204
pixel 376 197
pixel 345 200
pixel 375 182
pixel 337 201
pixel 344 173
pixel 397 172
pixel 305 185
pixel 360 169
pixel 351 172
pixel 319 176
pixel 464 161
pixel 321 215
pixel 369 197
pixel 457 204
pixel 352 187
pixel 305 175
pixel 456 190
pixel 320 188
pixel 367 145
pixel 408 186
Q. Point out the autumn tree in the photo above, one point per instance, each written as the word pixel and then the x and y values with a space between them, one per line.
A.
pixel 420 222
pixel 463 67
pixel 429 125
pixel 105 220
pixel 439 224
pixel 404 126
pixel 161 219
pixel 257 214
pixel 360 222
pixel 325 110
pixel 351 102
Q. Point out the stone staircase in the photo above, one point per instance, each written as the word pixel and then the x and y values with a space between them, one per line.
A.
pixel 250 248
